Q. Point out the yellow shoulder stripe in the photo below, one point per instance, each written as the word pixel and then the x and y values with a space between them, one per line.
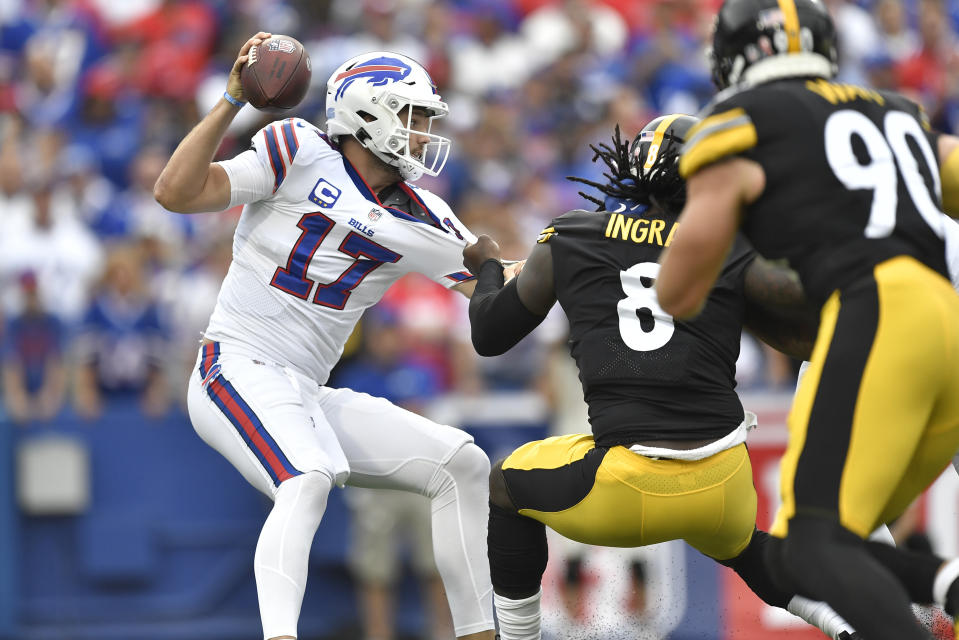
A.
pixel 716 137
pixel 545 235
pixel 706 125
pixel 924 118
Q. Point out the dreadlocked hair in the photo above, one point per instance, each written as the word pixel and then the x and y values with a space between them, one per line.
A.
pixel 660 185
pixel 666 188
pixel 620 181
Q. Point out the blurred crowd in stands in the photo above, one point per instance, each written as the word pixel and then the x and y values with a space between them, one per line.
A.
pixel 104 293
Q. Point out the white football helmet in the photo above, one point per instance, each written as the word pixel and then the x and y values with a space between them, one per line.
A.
pixel 363 99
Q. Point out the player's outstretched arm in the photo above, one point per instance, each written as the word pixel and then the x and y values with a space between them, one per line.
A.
pixel 190 182
pixel 707 228
pixel 777 310
pixel 501 316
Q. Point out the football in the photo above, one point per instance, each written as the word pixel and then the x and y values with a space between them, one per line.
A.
pixel 277 74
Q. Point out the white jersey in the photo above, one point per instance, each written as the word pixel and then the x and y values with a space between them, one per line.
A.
pixel 315 247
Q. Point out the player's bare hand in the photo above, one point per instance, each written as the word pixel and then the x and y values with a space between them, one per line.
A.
pixel 474 255
pixel 512 268
pixel 233 86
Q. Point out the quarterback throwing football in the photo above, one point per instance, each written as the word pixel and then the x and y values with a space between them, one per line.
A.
pixel 330 222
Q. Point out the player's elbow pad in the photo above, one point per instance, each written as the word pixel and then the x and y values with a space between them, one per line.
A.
pixel 499 319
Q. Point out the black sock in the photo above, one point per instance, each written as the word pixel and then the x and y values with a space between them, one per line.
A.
pixel 518 552
pixel 830 563
pixel 751 567
pixel 916 571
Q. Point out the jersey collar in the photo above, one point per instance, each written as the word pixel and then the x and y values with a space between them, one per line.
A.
pixel 368 193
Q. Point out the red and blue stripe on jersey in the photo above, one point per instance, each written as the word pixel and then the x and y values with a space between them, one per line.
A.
pixel 281 147
pixel 460 276
pixel 211 353
pixel 243 418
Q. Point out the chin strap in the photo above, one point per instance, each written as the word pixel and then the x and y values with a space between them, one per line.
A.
pixel 362 136
pixel 408 171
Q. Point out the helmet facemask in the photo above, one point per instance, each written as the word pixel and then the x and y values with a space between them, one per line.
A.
pixel 396 142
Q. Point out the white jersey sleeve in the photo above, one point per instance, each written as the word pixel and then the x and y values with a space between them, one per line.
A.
pixel 250 180
pixel 256 174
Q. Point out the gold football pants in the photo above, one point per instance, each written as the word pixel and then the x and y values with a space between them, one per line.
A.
pixel 876 417
pixel 614 497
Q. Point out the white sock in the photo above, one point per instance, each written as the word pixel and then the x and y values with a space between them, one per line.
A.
pixel 283 551
pixel 946 575
pixel 820 615
pixel 460 507
pixel 518 619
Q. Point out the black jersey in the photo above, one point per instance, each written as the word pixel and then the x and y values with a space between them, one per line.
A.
pixel 852 176
pixel 645 376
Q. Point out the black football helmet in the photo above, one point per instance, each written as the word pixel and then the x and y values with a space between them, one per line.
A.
pixel 759 40
pixel 654 160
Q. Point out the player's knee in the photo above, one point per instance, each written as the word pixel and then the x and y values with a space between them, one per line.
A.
pixel 753 567
pixel 498 493
pixel 469 467
pixel 307 491
pixel 773 559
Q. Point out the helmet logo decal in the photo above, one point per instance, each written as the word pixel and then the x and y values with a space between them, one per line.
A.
pixel 755 41
pixel 791 25
pixel 657 140
pixel 377 72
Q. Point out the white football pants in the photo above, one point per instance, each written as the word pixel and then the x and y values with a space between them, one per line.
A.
pixel 274 424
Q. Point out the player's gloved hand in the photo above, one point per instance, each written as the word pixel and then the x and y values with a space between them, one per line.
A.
pixel 474 255
pixel 233 86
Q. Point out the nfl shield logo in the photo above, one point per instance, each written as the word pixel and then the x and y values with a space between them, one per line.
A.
pixel 282 45
pixel 374 215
